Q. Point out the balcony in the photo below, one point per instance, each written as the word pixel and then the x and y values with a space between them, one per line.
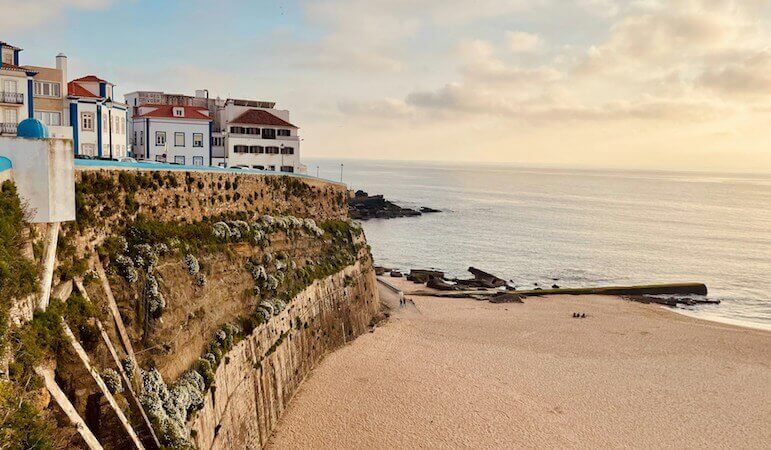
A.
pixel 8 128
pixel 14 98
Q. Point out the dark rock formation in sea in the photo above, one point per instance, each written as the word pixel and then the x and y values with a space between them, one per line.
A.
pixel 363 206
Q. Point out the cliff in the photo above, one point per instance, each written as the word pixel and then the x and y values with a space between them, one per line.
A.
pixel 192 305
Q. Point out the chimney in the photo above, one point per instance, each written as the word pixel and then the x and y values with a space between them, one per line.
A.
pixel 61 64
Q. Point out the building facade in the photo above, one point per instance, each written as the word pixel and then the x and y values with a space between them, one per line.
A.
pixel 258 138
pixel 170 133
pixel 49 90
pixel 16 87
pixel 99 125
pixel 244 133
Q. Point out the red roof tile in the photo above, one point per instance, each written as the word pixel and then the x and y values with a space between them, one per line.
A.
pixel 91 78
pixel 8 66
pixel 260 117
pixel 76 90
pixel 166 111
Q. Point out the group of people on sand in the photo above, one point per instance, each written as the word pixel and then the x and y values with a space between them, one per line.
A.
pixel 402 301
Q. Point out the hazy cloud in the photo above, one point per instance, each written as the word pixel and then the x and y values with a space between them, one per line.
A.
pixel 19 14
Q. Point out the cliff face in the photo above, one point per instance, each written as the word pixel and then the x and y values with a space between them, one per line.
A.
pixel 257 383
pixel 200 301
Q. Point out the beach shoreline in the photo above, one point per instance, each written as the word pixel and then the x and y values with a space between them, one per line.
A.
pixel 459 373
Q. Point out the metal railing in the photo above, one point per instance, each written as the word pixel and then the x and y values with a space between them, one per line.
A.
pixel 8 128
pixel 12 97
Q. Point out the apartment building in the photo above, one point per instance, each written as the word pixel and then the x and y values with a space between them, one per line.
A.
pixel 243 133
pixel 260 138
pixel 49 91
pixel 171 133
pixel 99 124
pixel 16 86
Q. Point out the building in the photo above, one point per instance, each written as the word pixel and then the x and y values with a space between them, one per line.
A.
pixel 171 133
pixel 258 137
pixel 244 133
pixel 98 122
pixel 49 91
pixel 16 86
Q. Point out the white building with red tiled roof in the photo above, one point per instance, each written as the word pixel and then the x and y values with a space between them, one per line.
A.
pixel 245 133
pixel 259 137
pixel 99 124
pixel 171 133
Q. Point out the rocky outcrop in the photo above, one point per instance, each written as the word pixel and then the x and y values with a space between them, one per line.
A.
pixel 362 206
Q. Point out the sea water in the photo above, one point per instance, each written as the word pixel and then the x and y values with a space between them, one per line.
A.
pixel 578 228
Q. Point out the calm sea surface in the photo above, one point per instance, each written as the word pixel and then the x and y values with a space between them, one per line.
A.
pixel 582 227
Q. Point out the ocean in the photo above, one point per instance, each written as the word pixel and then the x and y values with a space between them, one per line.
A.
pixel 578 228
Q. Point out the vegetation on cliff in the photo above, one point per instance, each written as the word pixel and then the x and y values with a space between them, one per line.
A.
pixel 135 255
pixel 18 277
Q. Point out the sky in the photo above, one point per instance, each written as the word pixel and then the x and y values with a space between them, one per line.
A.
pixel 630 84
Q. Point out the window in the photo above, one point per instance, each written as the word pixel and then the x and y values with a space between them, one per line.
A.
pixel 252 131
pixel 160 138
pixel 218 141
pixel 271 167
pixel 268 133
pixel 134 139
pixel 287 150
pixel 49 118
pixel 123 125
pixel 47 89
pixel 10 116
pixel 88 149
pixel 241 149
pixel 284 132
pixel 179 159
pixel 197 160
pixel 271 150
pixel 179 139
pixel 237 130
pixel 179 112
pixel 197 139
pixel 287 169
pixel 87 121
pixel 10 86
pixel 104 121
pixel 257 149
pixel 142 138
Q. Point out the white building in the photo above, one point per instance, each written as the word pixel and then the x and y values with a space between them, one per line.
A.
pixel 16 87
pixel 259 137
pixel 243 133
pixel 98 123
pixel 169 133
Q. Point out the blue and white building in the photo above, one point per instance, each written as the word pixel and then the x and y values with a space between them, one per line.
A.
pixel 99 124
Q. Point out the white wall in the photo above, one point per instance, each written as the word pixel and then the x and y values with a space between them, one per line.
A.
pixel 86 137
pixel 44 172
pixel 171 126
pixel 21 87
pixel 119 130
pixel 262 159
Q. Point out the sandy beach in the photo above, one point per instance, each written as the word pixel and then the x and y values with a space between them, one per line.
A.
pixel 449 373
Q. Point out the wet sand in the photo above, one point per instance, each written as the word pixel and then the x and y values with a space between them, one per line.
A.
pixel 449 373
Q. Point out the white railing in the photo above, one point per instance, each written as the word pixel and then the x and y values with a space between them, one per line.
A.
pixel 12 97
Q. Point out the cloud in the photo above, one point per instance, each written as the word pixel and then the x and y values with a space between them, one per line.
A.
pixel 521 42
pixel 35 13
pixel 750 76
